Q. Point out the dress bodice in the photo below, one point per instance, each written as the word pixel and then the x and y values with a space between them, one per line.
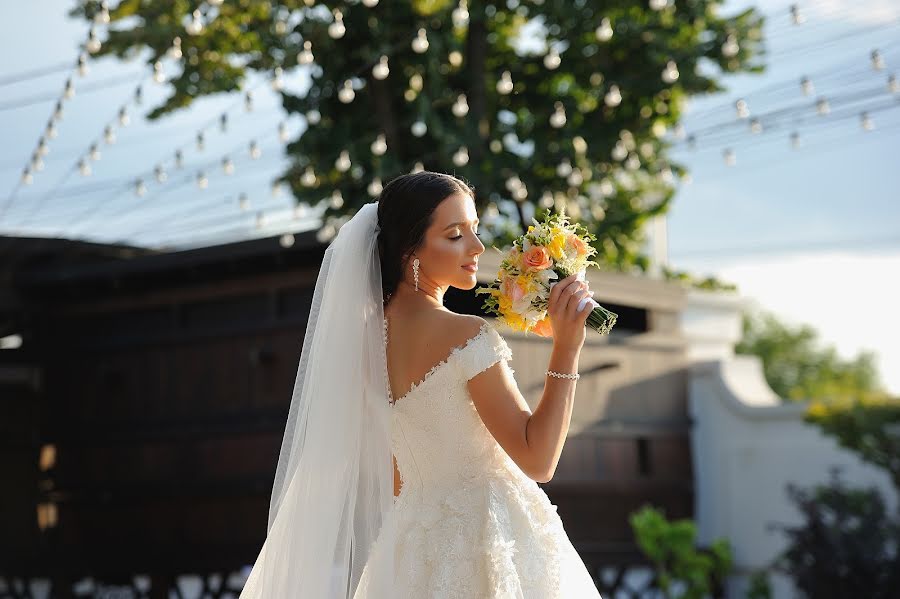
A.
pixel 437 435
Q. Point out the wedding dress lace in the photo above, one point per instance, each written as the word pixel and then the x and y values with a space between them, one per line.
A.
pixel 469 523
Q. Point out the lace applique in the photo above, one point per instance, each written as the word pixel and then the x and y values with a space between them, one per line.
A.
pixel 490 348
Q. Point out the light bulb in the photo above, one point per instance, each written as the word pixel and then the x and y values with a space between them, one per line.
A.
pixel 807 86
pixel 160 173
pixel 93 43
pixel 43 149
pixel 564 168
pixel 305 56
pixel 82 64
pixel 418 167
pixel 123 117
pixel 109 136
pixel 139 188
pixel 343 163
pixel 552 59
pixel 460 15
pixel 202 180
pixel 200 141
pixel 755 126
pixel 138 95
pixel 158 74
pixel 308 178
pixel 505 85
pixel 278 79
pixel 877 60
pixel 420 42
pixel 730 47
pixel 558 118
pixel 461 106
pixel 658 4
pixel 179 159
pixel 94 152
pixel 84 168
pixel 313 117
pixel 346 94
pixel 419 128
pixel 69 90
pixel 195 27
pixel 795 139
pixel 27 178
pixel 604 32
pixel 254 150
pixel 613 97
pixel 892 84
pixel 619 151
pixel 822 106
pixel 282 132
pixel 375 187
pixel 730 158
pixel 337 30
pixel 51 132
pixel 227 166
pixel 379 146
pixel 174 51
pixel 461 156
pixel 243 201
pixel 866 121
pixel 796 17
pixel 743 111
pixel 248 101
pixel 102 16
pixel 370 3
pixel 223 122
pixel 337 200
pixel 670 73
pixel 380 71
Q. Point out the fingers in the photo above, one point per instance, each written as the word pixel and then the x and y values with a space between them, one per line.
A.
pixel 574 300
pixel 558 289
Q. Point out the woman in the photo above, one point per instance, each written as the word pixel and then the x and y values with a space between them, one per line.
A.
pixel 410 459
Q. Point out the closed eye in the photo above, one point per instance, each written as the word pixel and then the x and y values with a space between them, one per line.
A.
pixel 460 236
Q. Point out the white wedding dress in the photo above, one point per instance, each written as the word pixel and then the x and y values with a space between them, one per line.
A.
pixel 470 524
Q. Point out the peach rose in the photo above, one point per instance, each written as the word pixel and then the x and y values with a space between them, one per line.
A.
pixel 543 328
pixel 580 246
pixel 537 258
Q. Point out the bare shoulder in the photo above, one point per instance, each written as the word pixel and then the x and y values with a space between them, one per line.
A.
pixel 459 328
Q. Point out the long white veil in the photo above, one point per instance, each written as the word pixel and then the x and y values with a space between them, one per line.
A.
pixel 334 481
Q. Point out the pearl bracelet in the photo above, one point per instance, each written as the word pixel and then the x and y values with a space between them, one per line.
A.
pixel 574 376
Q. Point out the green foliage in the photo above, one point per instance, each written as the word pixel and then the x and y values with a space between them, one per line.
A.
pixel 670 546
pixel 868 425
pixel 797 368
pixel 508 135
pixel 846 545
pixel 689 280
pixel 759 587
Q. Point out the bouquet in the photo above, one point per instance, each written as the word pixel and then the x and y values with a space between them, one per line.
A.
pixel 546 253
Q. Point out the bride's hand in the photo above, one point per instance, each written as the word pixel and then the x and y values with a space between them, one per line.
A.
pixel 566 320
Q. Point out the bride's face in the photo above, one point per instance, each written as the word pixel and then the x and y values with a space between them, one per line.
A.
pixel 451 243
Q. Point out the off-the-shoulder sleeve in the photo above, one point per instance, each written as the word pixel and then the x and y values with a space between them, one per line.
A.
pixel 486 348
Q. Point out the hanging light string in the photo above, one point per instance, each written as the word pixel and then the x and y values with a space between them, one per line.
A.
pixel 36 163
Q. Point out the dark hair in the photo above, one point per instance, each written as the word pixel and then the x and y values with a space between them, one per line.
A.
pixel 405 211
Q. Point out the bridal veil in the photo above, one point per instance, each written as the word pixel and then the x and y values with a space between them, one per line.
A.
pixel 334 480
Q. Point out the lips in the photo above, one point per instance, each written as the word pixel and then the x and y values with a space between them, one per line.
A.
pixel 471 267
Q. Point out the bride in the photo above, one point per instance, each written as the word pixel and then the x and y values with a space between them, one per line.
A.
pixel 410 459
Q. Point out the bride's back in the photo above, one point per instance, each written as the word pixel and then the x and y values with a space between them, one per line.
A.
pixel 421 339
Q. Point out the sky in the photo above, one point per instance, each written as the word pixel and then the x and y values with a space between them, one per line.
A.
pixel 812 233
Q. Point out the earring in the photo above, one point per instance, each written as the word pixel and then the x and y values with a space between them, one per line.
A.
pixel 416 272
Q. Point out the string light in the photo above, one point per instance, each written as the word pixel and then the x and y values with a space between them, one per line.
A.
pixel 308 178
pixel 558 118
pixel 159 74
pixel 174 52
pixel 278 79
pixel 313 117
pixel 254 150
pixel 336 29
pixel 418 167
pixel 179 159
pixel 755 126
pixel 346 93
pixel 227 166
pixel 658 4
pixel 282 132
pixel 102 17
pixel 336 200
pixel 139 188
pixel 248 101
pixel 822 106
pixel 461 156
pixel 461 106
pixel 94 152
pixel 343 164
pixel 223 122
pixel 419 128
pixel 201 141
pixel 124 120
pixel 604 31
pixel 160 174
pixel 728 155
pixel 877 60
pixel 552 60
pixel 93 43
pixel 892 84
pixel 84 167
pixel 305 56
pixel 109 136
pixel 380 71
pixel 69 90
pixel 379 146
pixel 202 180
pixel 505 85
pixel 374 188
pixel 807 86
pixel 670 73
pixel 795 139
pixel 866 121
pixel 82 65
pixel 370 3
pixel 796 17
pixel 420 42
pixel 195 26
pixel 730 48
pixel 460 15
pixel 613 96
pixel 743 111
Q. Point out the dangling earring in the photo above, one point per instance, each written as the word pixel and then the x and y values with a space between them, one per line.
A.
pixel 416 272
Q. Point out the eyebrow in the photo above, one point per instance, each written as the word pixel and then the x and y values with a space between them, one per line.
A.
pixel 462 222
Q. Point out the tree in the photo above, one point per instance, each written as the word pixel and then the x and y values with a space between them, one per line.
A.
pixel 796 367
pixel 575 123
